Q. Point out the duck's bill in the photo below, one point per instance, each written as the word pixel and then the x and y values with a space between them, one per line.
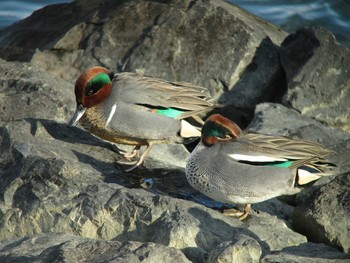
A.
pixel 79 112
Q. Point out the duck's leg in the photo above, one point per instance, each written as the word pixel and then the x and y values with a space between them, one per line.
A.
pixel 133 153
pixel 127 157
pixel 247 211
pixel 233 212
pixel 141 159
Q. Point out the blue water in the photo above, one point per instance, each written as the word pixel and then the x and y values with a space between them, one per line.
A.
pixel 11 11
pixel 333 15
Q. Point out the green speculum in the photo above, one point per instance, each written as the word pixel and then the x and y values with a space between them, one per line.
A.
pixel 281 164
pixel 170 112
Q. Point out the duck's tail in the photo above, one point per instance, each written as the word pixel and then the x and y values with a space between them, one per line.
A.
pixel 313 169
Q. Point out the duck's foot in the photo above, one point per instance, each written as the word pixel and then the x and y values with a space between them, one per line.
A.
pixel 133 153
pixel 233 212
pixel 140 160
pixel 128 157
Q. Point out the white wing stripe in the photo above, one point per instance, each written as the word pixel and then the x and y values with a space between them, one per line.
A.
pixel 114 107
pixel 255 158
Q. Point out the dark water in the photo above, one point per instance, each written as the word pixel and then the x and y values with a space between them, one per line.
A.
pixel 13 10
pixel 333 15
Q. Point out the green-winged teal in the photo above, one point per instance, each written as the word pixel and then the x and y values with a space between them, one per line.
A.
pixel 134 109
pixel 241 167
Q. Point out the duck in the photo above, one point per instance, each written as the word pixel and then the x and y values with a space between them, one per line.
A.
pixel 138 110
pixel 238 167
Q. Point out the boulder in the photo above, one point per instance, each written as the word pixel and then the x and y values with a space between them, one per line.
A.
pixel 177 40
pixel 276 119
pixel 27 91
pixel 62 193
pixel 242 249
pixel 326 219
pixel 307 252
pixel 59 180
pixel 316 68
pixel 322 213
pixel 51 247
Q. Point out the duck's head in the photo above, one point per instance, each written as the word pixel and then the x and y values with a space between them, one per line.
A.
pixel 91 88
pixel 218 128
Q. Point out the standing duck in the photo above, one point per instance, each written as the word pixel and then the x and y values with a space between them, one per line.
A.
pixel 234 166
pixel 133 109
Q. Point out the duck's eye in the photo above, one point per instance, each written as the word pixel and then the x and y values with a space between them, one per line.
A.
pixel 97 83
pixel 93 88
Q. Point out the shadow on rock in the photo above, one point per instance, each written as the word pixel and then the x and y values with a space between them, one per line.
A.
pixel 262 80
pixel 74 135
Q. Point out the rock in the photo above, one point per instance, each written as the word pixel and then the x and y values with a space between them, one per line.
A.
pixel 241 249
pixel 61 180
pixel 62 194
pixel 313 216
pixel 27 91
pixel 317 69
pixel 307 252
pixel 326 219
pixel 292 124
pixel 264 227
pixel 179 40
pixel 69 248
pixel 263 80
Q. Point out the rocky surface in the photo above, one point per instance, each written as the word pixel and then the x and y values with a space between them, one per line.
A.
pixel 70 248
pixel 59 180
pixel 27 91
pixel 317 76
pixel 305 253
pixel 63 196
pixel 327 218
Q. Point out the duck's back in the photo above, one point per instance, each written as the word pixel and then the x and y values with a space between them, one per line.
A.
pixel 224 179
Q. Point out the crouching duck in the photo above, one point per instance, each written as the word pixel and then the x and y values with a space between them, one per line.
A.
pixel 133 109
pixel 241 167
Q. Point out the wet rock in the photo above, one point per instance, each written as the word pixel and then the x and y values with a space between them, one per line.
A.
pixel 317 75
pixel 241 249
pixel 326 219
pixel 308 252
pixel 69 248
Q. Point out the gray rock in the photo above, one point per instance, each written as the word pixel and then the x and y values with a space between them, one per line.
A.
pixel 323 211
pixel 307 253
pixel 26 91
pixel 326 218
pixel 276 119
pixel 243 249
pixel 179 40
pixel 264 226
pixel 317 75
pixel 68 248
pixel 263 80
pixel 56 179
pixel 60 180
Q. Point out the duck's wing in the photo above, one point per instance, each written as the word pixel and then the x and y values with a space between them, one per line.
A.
pixel 258 149
pixel 155 93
